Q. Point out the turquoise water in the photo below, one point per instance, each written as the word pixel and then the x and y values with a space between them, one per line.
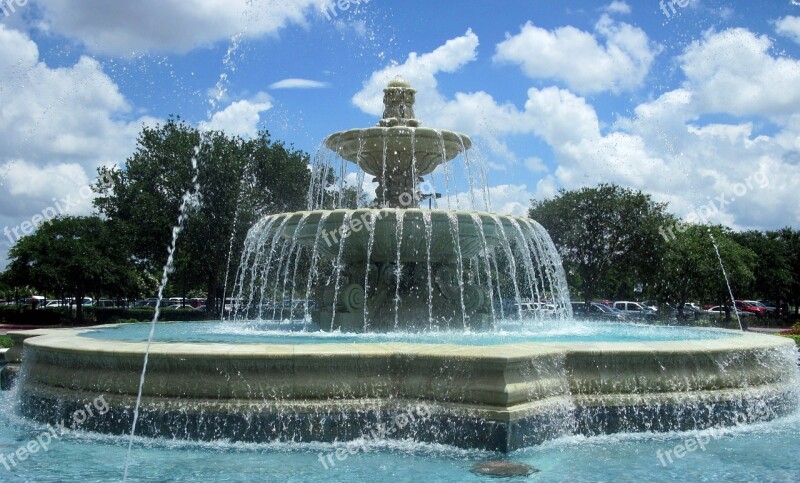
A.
pixel 760 452
pixel 521 331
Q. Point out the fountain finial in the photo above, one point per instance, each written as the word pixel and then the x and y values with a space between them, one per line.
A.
pixel 398 102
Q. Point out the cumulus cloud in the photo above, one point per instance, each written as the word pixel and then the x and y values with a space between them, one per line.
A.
pixel 618 7
pixel 127 28
pixel 507 199
pixel 790 27
pixel 298 84
pixel 58 126
pixel 663 149
pixel 241 118
pixel 616 57
pixel 420 71
pixel 733 72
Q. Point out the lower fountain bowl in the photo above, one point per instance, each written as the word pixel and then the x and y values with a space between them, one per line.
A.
pixel 328 229
pixel 498 397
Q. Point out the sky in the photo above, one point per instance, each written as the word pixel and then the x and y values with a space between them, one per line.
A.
pixel 695 102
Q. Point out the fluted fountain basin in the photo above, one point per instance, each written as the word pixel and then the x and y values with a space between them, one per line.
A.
pixel 326 229
pixel 498 397
pixel 403 149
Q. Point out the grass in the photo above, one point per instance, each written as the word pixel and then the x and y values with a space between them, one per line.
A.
pixel 796 338
pixel 5 342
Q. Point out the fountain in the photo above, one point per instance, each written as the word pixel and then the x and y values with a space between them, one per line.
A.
pixel 396 267
pixel 407 323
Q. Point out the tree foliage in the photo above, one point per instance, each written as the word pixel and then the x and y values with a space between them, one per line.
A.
pixel 690 268
pixel 74 256
pixel 606 235
pixel 240 180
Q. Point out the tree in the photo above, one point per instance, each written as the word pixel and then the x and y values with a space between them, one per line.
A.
pixel 690 267
pixel 791 238
pixel 73 256
pixel 604 234
pixel 773 279
pixel 240 181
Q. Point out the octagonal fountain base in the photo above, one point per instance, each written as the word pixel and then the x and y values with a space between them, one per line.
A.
pixel 500 397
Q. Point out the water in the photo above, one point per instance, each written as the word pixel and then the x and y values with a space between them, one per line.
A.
pixel 526 330
pixel 758 452
pixel 727 282
pixel 463 261
pixel 188 200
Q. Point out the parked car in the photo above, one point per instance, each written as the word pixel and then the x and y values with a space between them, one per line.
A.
pixel 757 303
pixel 771 306
pixel 719 309
pixel 535 309
pixel 650 304
pixel 595 311
pixel 105 303
pixel 634 310
pixel 754 308
pixel 690 311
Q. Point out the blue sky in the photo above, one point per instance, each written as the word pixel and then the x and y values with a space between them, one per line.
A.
pixel 698 106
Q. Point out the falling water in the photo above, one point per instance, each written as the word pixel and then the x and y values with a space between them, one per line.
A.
pixel 188 200
pixel 398 273
pixel 426 219
pixel 487 265
pixel 314 261
pixel 511 261
pixel 345 232
pixel 371 227
pixel 293 246
pixel 453 217
pixel 727 282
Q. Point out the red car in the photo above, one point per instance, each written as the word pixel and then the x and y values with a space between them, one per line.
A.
pixel 743 306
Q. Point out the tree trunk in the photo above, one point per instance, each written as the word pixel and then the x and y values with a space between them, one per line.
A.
pixel 211 300
pixel 79 307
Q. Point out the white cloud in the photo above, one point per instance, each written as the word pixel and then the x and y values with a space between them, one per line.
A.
pixel 790 27
pixel 507 199
pixel 420 71
pixel 127 28
pixel 298 84
pixel 70 114
pixel 579 59
pixel 58 126
pixel 618 7
pixel 535 165
pixel 733 72
pixel 240 118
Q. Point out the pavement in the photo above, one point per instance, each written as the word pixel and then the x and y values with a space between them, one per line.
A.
pixel 768 330
pixel 5 328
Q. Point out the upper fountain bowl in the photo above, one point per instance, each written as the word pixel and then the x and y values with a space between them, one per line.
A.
pixel 398 145
pixel 403 149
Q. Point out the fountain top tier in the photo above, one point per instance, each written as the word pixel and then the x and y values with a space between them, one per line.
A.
pixel 398 152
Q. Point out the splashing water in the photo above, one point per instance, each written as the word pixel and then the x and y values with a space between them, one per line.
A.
pixel 727 282
pixel 189 200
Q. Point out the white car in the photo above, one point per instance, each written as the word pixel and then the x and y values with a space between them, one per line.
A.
pixel 720 310
pixel 536 309
pixel 634 309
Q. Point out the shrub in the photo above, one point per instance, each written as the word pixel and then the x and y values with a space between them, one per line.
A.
pixel 15 315
pixel 796 338
pixel 5 342
pixel 117 315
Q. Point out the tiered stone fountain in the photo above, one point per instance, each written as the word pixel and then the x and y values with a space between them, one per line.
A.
pixel 404 270
pixel 399 267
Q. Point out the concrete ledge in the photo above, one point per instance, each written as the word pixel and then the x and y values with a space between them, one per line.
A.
pixel 496 397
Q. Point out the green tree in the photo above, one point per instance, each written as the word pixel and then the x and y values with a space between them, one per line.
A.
pixel 74 256
pixel 691 269
pixel 240 180
pixel 791 238
pixel 604 235
pixel 773 279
